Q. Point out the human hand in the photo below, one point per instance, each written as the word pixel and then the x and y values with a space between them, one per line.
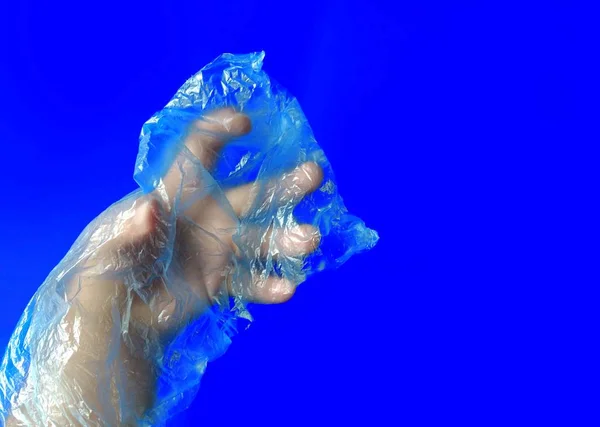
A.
pixel 128 294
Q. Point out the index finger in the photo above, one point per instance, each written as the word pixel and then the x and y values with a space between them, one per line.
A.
pixel 205 139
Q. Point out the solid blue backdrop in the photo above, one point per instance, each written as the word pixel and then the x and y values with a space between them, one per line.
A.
pixel 426 112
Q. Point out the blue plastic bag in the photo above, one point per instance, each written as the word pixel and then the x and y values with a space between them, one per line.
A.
pixel 237 203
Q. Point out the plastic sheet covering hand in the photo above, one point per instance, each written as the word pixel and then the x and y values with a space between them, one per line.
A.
pixel 237 203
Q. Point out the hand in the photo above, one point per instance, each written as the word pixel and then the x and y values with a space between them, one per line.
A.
pixel 127 295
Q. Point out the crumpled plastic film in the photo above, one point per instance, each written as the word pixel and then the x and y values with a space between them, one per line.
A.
pixel 237 203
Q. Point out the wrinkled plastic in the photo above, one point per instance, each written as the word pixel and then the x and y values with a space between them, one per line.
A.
pixel 154 288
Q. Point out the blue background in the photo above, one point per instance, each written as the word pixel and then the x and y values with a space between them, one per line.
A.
pixel 440 121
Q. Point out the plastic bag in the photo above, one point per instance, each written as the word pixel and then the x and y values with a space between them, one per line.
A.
pixel 237 203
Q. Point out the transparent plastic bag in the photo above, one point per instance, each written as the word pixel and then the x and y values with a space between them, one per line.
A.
pixel 237 203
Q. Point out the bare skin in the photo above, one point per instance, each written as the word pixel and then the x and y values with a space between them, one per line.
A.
pixel 135 239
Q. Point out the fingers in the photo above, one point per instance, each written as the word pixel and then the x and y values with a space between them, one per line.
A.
pixel 206 137
pixel 295 241
pixel 272 290
pixel 264 290
pixel 292 242
pixel 289 188
pixel 208 134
